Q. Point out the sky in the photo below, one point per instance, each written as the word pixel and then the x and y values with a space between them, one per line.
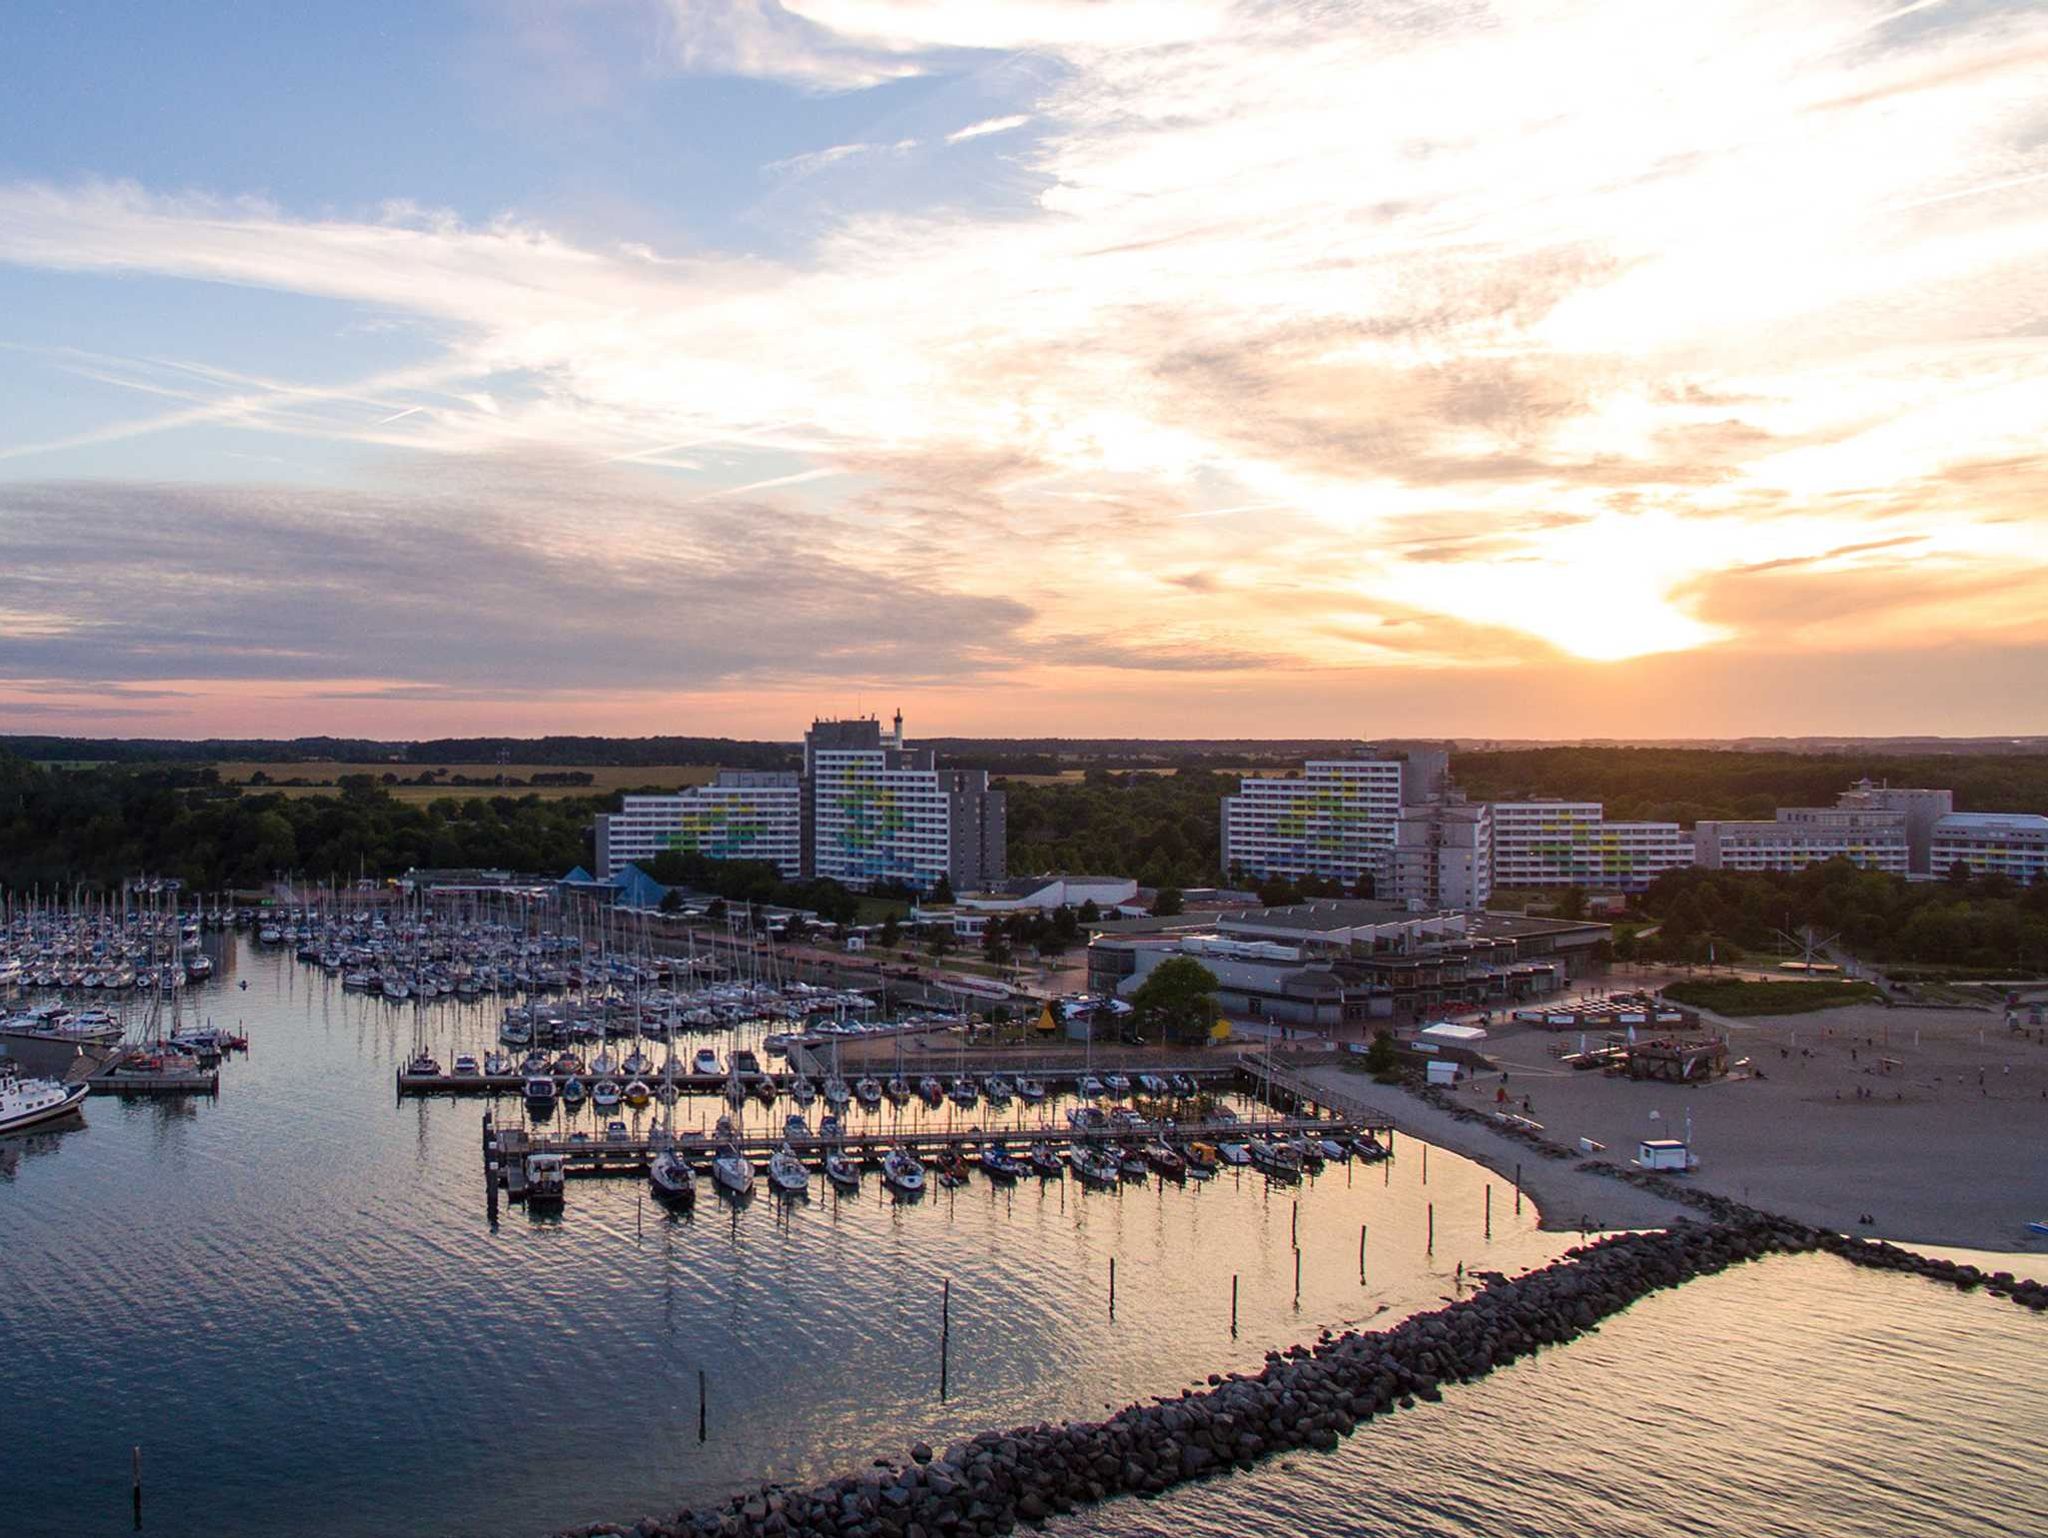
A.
pixel 1091 367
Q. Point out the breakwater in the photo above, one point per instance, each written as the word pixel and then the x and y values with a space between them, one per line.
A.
pixel 1306 1397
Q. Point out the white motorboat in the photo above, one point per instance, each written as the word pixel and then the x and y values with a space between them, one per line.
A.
pixel 706 1063
pixel 26 1103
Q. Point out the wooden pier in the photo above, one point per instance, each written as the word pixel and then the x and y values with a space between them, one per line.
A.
pixel 506 1148
pixel 205 1082
pixel 1062 1080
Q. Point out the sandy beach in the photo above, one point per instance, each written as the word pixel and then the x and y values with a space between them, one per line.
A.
pixel 1931 1122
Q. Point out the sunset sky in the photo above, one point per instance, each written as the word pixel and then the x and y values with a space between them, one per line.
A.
pixel 1155 367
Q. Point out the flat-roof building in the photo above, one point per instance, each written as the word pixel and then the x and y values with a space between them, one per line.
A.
pixel 2010 844
pixel 743 814
pixel 876 811
pixel 1571 843
pixel 1805 835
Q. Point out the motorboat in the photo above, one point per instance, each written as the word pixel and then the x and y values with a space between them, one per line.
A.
pixel 535 1062
pixel 616 1131
pixel 541 1094
pixel 1181 1084
pixel 1200 1159
pixel 952 1167
pixel 902 1173
pixel 574 1091
pixel 1235 1154
pixel 1032 1090
pixel 466 1066
pixel 705 1063
pixel 1152 1084
pixel 786 1173
pixel 998 1090
pixel 963 1091
pixel 1045 1162
pixel 931 1091
pixel 1091 1087
pixel 794 1127
pixel 1132 1165
pixel 423 1065
pixel 1119 1084
pixel 1336 1150
pixel 605 1093
pixel 638 1093
pixel 497 1065
pixel 545 1185
pixel 672 1180
pixel 26 1103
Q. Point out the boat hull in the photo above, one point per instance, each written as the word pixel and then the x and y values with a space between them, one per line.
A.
pixel 21 1121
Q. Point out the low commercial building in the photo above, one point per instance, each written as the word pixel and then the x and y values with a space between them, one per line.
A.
pixel 741 815
pixel 1571 843
pixel 1044 894
pixel 1328 964
pixel 2009 844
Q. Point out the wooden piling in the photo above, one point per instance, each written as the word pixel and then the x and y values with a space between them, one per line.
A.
pixel 1297 1276
pixel 1518 1189
pixel 1112 1286
pixel 1429 1247
pixel 945 1336
pixel 1361 1254
pixel 701 1427
pixel 1489 1209
pixel 1233 1305
pixel 135 1466
pixel 1425 1164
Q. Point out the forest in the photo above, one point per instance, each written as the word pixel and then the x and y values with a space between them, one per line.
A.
pixel 99 826
pixel 1982 923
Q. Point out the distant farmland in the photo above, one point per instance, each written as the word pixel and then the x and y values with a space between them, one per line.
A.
pixel 323 778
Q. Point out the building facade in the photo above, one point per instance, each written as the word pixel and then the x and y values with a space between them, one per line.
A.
pixel 1571 843
pixel 1336 821
pixel 1803 836
pixel 1443 856
pixel 741 815
pixel 876 811
pixel 1921 808
pixel 2009 844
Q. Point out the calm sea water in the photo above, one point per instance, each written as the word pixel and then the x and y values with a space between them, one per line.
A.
pixel 293 1300
pixel 1798 1397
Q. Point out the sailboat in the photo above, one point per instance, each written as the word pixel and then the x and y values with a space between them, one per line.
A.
pixel 786 1173
pixel 670 1176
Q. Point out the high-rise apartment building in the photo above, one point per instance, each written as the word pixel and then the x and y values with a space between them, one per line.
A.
pixel 1335 821
pixel 1443 856
pixel 2009 844
pixel 877 811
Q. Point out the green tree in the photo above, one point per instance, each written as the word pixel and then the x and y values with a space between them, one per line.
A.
pixel 1176 1002
pixel 1380 1057
pixel 1168 903
pixel 1571 903
pixel 942 892
pixel 891 932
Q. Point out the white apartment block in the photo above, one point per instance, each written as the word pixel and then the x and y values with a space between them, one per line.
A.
pixel 1803 836
pixel 1571 843
pixel 1335 821
pixel 2011 844
pixel 742 815
pixel 872 821
pixel 1443 857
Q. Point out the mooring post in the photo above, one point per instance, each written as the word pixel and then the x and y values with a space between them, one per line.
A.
pixel 1489 1209
pixel 1297 1276
pixel 1294 1237
pixel 1361 1254
pixel 1430 1243
pixel 136 1491
pixel 700 1405
pixel 945 1335
pixel 1112 1286
pixel 1233 1305
pixel 1518 1190
pixel 1425 1164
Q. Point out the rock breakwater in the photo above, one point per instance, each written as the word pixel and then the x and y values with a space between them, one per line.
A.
pixel 1306 1397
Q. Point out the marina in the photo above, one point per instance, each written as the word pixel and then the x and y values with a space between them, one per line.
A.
pixel 308 1214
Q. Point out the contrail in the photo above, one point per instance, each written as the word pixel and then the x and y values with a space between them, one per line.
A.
pixel 399 416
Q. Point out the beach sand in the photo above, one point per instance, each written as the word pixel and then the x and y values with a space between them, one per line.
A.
pixel 1948 1146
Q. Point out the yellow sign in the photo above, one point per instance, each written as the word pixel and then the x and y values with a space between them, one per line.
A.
pixel 1046 1022
pixel 1220 1031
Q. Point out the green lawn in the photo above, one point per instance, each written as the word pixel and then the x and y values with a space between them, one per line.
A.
pixel 1733 997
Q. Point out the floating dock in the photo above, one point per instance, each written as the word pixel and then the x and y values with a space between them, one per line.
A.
pixel 1060 1081
pixel 205 1082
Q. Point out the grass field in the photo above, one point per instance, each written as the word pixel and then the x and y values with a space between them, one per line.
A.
pixel 324 776
pixel 1730 997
